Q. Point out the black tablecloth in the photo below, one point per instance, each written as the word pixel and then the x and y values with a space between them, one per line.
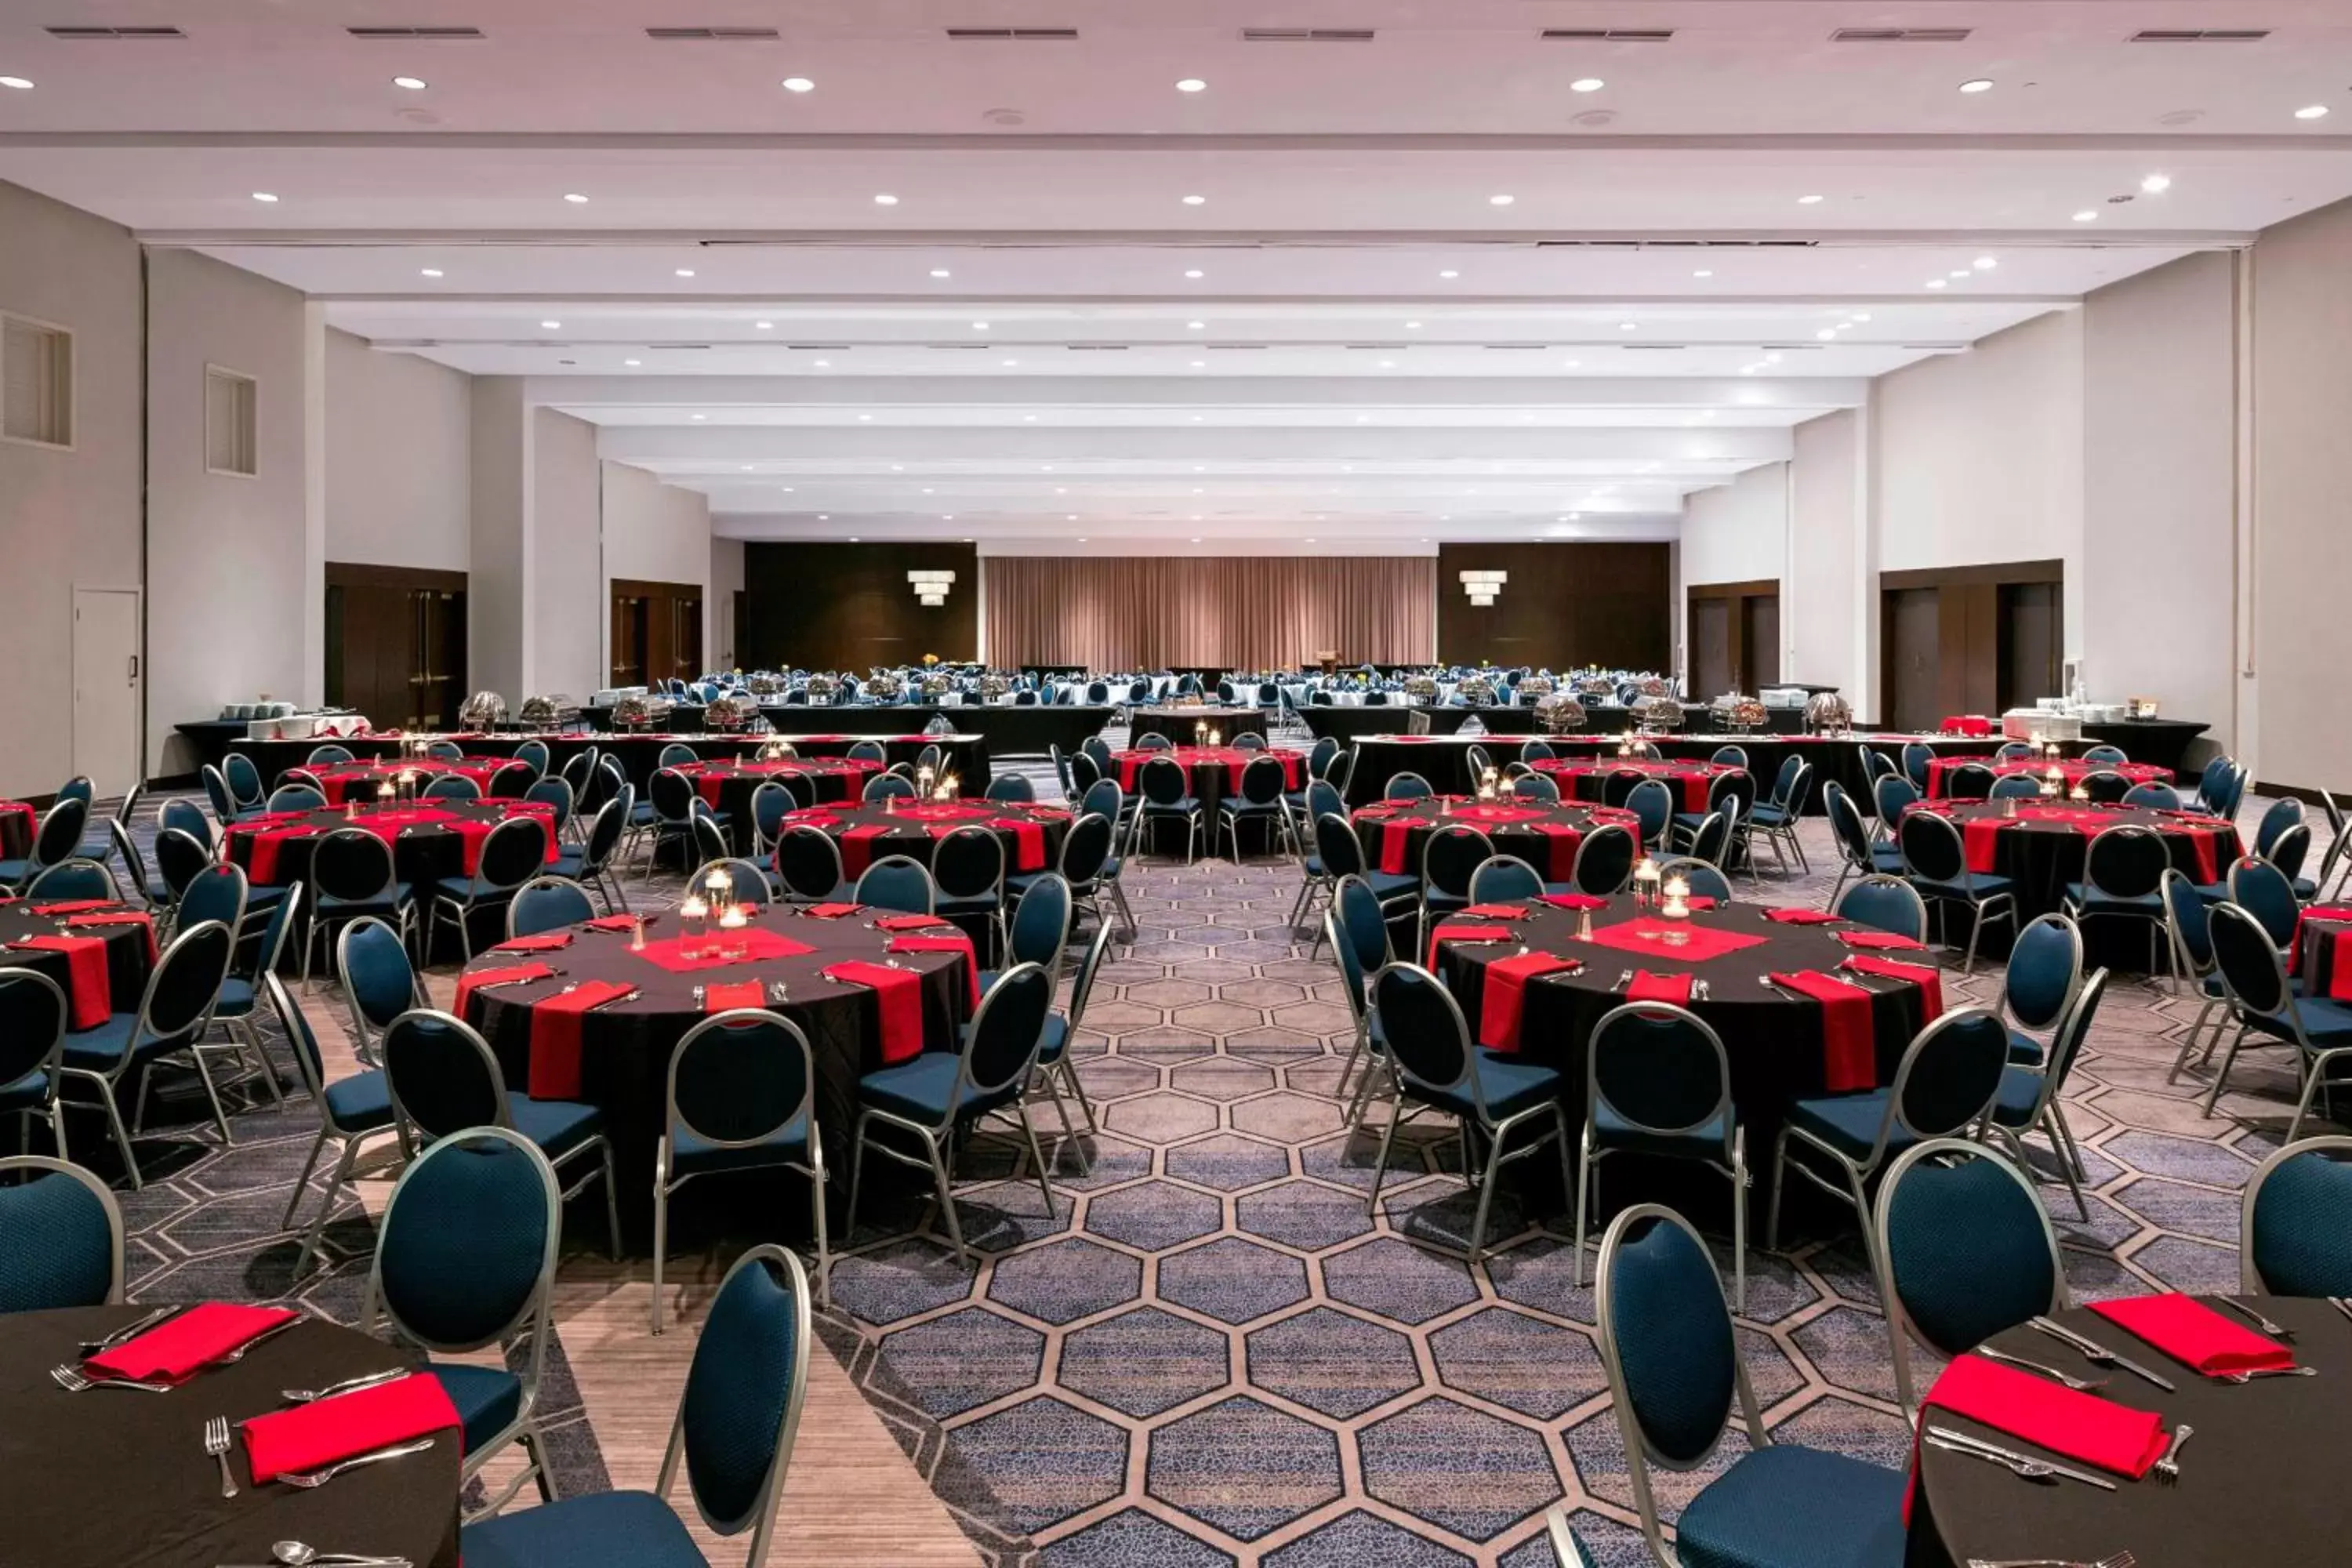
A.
pixel 2261 1481
pixel 2041 856
pixel 129 959
pixel 1005 729
pixel 2164 741
pixel 422 854
pixel 1688 779
pixel 626 1048
pixel 1396 838
pixel 19 823
pixel 914 830
pixel 1214 772
pixel 729 786
pixel 105 1480
pixel 1182 725
pixel 1774 1039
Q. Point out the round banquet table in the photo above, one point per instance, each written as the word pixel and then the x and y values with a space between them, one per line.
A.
pixel 624 1048
pixel 728 786
pixel 2042 847
pixel 358 780
pixel 19 823
pixel 115 978
pixel 1584 778
pixel 1776 1041
pixel 1184 725
pixel 966 755
pixel 124 1482
pixel 432 840
pixel 1546 836
pixel 865 833
pixel 2072 769
pixel 2322 952
pixel 2261 1481
pixel 1212 773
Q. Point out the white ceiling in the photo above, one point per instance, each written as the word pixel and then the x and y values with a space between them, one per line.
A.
pixel 1374 353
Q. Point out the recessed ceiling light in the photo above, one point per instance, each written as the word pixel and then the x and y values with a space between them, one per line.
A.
pixel 1629 326
pixel 1388 364
pixel 1413 326
pixel 824 365
pixel 979 326
pixel 412 83
pixel 1011 362
pixel 2087 215
pixel 885 199
pixel 1935 283
pixel 746 467
pixel 430 272
pixel 551 326
pixel 798 84
pixel 1826 333
pixel 1501 201
pixel 927 490
pixel 1976 84
pixel 1861 315
pixel 263 196
pixel 1571 364
pixel 1703 272
pixel 1310 542
pixel 1587 84
pixel 1192 272
pixel 1772 358
pixel 1192 84
pixel 574 197
pixel 1449 272
pixel 862 419
pixel 632 362
pixel 939 272
pixel 701 416
pixel 22 84
pixel 786 489
pixel 1196 326
pixel 1028 419
pixel 2156 184
pixel 1194 201
pixel 1197 363
pixel 1807 201
pixel 1984 263
pixel 2312 111
pixel 765 326
pixel 1960 273
pixel 1196 538
pixel 686 272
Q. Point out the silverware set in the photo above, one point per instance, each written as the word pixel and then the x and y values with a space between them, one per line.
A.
pixel 315 1478
pixel 525 980
pixel 1625 979
pixel 2120 1559
pixel 2042 1471
pixel 2275 1330
pixel 2097 1354
pixel 130 1331
pixel 349 1385
pixel 2079 1384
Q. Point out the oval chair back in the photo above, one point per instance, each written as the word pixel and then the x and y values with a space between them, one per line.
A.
pixel 1892 795
pixel 243 777
pixel 1085 852
pixel 552 792
pixel 1362 922
pixel 1319 758
pixel 442 1075
pixel 301 1040
pixel 2186 922
pixel 33 1019
pixel 968 862
pixel 297 797
pixel 2248 958
pixel 73 879
pixel 1705 876
pixel 677 754
pixel 1847 826
pixel 1965 1250
pixel 739 1077
pixel 1005 1032
pixel 1949 1074
pixel 353 865
pixel 575 771
pixel 1503 879
pixel 1323 798
pixel 59 835
pixel 325 756
pixel 1729 756
pixel 748 882
pixel 1917 755
pixel 512 782
pixel 216 893
pixel 2291 1236
pixel 672 794
pixel 2288 850
pixel 1449 857
pixel 1533 752
pixel 1407 786
pixel 1427 1037
pixel 1885 903
pixel 868 751
pixel 65 1237
pixel 1336 842
pixel 1475 760
pixel 1654 802
pixel 1876 765
pixel 1659 1068
pixel 2281 814
pixel 882 786
pixel 604 830
pixel 1618 787
pixel 1711 840
pixel 1013 788
pixel 2045 972
pixel 453 787
pixel 513 853
pixel 1102 798
pixel 1539 787
pixel 2104 755
pixel 1604 860
pixel 133 862
pixel 189 818
pixel 898 883
pixel 1040 925
pixel 534 754
pixel 377 979
pixel 740 1416
pixel 446 751
pixel 2022 786
pixel 216 793
pixel 808 861
pixel 2264 892
pixel 1968 781
pixel 465 1250
pixel 550 903
pixel 177 1005
pixel 1931 848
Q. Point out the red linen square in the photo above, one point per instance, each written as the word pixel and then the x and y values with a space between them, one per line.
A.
pixel 1652 936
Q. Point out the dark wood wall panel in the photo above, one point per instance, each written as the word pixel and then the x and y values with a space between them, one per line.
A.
pixel 1970 639
pixel 849 606
pixel 1564 605
pixel 1732 635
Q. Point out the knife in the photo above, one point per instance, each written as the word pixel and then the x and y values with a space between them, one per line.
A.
pixel 2092 1351
pixel 1964 1440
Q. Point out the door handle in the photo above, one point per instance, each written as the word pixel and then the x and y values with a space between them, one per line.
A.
pixel 134 666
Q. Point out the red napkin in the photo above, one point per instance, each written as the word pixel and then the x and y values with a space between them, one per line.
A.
pixel 900 995
pixel 118 917
pixel 72 906
pixel 1396 840
pixel 1881 941
pixel 1497 911
pixel 184 1346
pixel 545 942
pixel 1930 980
pixel 1573 900
pixel 1802 917
pixel 759 943
pixel 833 911
pixel 1503 1004
pixel 857 847
pixel 1648 934
pixel 310 1436
pixel 948 941
pixel 708 782
pixel 1028 842
pixel 555 1031
pixel 1967 724
pixel 2194 1334
pixel 1463 933
pixel 1649 987
pixel 1980 841
pixel 614 922
pixel 93 994
pixel 2079 1425
pixel 2200 845
pixel 469 984
pixel 1849 1061
pixel 261 860
pixel 726 995
pixel 1694 788
pixel 1700 901
pixel 910 923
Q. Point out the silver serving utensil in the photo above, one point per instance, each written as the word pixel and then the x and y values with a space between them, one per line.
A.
pixel 71 1380
pixel 321 1477
pixel 2033 1471
pixel 1778 989
pixel 630 994
pixel 1946 1436
pixel 2275 1330
pixel 349 1385
pixel 2167 1469
pixel 2093 1352
pixel 217 1445
pixel 131 1330
pixel 2079 1384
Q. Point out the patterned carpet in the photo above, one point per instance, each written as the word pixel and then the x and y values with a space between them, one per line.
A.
pixel 1210 1354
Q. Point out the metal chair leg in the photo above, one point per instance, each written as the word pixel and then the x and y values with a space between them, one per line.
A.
pixel 1779 1185
pixel 318 1232
pixel 310 1162
pixel 947 1196
pixel 1381 1166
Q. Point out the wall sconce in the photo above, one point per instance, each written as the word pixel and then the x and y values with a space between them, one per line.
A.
pixel 1482 586
pixel 930 586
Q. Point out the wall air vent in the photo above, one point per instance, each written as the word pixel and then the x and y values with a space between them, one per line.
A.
pixel 1013 35
pixel 713 35
pixel 2199 36
pixel 1609 34
pixel 1306 34
pixel 1515 345
pixel 1900 36
pixel 668 346
pixel 424 35
pixel 1653 347
pixel 1098 348
pixel 819 348
pixel 80 33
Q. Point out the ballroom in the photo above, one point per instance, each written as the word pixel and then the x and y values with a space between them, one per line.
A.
pixel 1266 783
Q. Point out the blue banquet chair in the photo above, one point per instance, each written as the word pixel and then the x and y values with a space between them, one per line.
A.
pixel 2295 1224
pixel 64 1234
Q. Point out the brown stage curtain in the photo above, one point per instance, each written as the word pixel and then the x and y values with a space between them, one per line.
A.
pixel 1113 612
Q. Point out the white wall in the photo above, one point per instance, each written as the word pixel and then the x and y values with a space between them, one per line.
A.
pixel 67 517
pixel 1977 457
pixel 2159 469
pixel 655 533
pixel 566 609
pixel 1739 533
pixel 719 607
pixel 399 458
pixel 233 573
pixel 1831 581
pixel 500 511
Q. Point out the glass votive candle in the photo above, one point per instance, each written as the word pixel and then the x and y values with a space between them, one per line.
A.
pixel 1677 901
pixel 692 918
pixel 734 925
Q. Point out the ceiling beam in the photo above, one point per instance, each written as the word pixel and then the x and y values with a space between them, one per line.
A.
pixel 584 394
pixel 1086 449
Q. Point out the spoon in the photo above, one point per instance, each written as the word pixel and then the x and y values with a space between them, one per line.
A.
pixel 300 1554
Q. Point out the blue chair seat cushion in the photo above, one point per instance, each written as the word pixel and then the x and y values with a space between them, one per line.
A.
pixel 2019 1092
pixel 1439 902
pixel 633 1528
pixel 1184 805
pixel 967 904
pixel 331 907
pixel 361 1102
pixel 568 862
pixel 1510 1085
pixel 487 1398
pixel 1611 1131
pixel 690 1153
pixel 1234 805
pixel 99 1047
pixel 1386 885
pixel 919 1091
pixel 260 898
pixel 1969 885
pixel 1887 858
pixel 1792 1506
pixel 1767 815
pixel 15 870
pixel 2024 1048
pixel 2093 902
pixel 476 888
pixel 557 1126
pixel 2325 1023
pixel 1848 1122
pixel 30 1092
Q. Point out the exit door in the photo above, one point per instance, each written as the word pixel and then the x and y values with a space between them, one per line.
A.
pixel 106 677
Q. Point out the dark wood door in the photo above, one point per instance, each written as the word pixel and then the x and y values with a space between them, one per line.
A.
pixel 396 644
pixel 1761 642
pixel 630 614
pixel 1710 645
pixel 2032 642
pixel 1908 631
pixel 656 631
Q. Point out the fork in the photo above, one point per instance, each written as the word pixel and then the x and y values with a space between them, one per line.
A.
pixel 321 1477
pixel 2275 1330
pixel 71 1380
pixel 2120 1559
pixel 2167 1469
pixel 349 1385
pixel 2079 1384
pixel 129 1331
pixel 217 1445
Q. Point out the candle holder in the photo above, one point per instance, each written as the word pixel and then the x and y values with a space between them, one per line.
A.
pixel 384 793
pixel 734 925
pixel 2009 807
pixel 2052 783
pixel 1645 882
pixel 719 888
pixel 1584 925
pixel 949 787
pixel 2078 794
pixel 1677 905
pixel 924 779
pixel 1490 784
pixel 693 916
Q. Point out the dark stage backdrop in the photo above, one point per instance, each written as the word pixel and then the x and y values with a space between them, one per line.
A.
pixel 1564 605
pixel 848 606
pixel 1113 612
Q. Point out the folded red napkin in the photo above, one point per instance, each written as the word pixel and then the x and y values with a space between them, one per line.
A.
pixel 1849 1060
pixel 1560 845
pixel 71 906
pixel 118 917
pixel 93 992
pixel 469 984
pixel 1503 1004
pixel 1464 933
pixel 900 995
pixel 857 847
pixel 2079 1425
pixel 2194 1334
pixel 310 1436
pixel 1649 987
pixel 1700 901
pixel 832 912
pixel 910 923
pixel 614 922
pixel 1927 977
pixel 555 1031
pixel 1881 941
pixel 1028 842
pixel 947 941
pixel 1396 841
pixel 185 1344
pixel 2201 846
pixel 726 995
pixel 1573 900
pixel 544 942
pixel 1497 911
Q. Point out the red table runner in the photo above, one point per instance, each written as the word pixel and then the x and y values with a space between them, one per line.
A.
pixel 92 994
pixel 555 1028
pixel 1848 1059
pixel 898 994
pixel 759 945
pixel 1503 1004
pixel 950 941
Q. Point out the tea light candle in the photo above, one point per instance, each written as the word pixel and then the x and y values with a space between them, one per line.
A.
pixel 1645 878
pixel 2078 793
pixel 383 791
pixel 721 887
pixel 732 918
pixel 693 909
pixel 1677 904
